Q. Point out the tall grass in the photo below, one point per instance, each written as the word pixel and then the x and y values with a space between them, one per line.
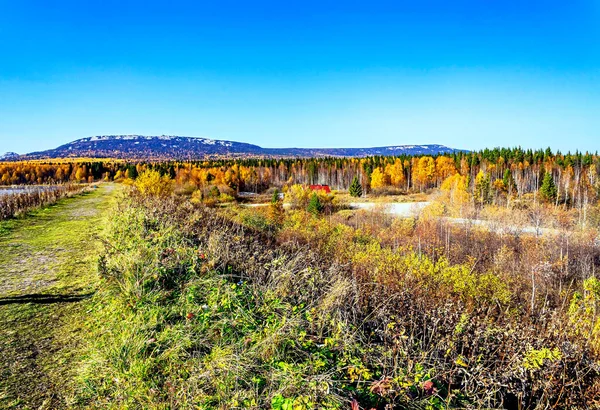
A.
pixel 213 309
pixel 12 205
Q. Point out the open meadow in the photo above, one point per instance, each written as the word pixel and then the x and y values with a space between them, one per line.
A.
pixel 456 281
pixel 299 205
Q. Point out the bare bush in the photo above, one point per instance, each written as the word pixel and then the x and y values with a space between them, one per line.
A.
pixel 12 205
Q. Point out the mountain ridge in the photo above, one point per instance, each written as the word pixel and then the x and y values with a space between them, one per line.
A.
pixel 166 147
pixel 8 155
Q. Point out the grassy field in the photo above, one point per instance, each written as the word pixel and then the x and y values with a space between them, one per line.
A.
pixel 47 272
pixel 170 303
pixel 206 307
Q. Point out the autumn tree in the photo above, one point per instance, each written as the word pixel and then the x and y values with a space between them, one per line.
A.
pixel 457 188
pixel 423 172
pixel 60 175
pixel 81 174
pixel 297 196
pixel 444 167
pixel 150 183
pixel 378 179
pixel 276 212
pixel 395 173
pixel 482 188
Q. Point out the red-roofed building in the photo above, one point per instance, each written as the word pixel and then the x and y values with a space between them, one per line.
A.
pixel 324 188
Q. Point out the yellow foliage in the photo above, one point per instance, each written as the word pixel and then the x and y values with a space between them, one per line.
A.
pixel 379 179
pixel 297 196
pixel 444 167
pixel 456 186
pixel 196 197
pixel 423 171
pixel 150 183
pixel 583 312
pixel 535 359
pixel 433 210
pixel 395 172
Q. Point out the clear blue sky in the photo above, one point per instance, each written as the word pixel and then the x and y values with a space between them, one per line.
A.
pixel 468 74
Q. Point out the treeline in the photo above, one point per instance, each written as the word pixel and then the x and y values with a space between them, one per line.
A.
pixel 38 173
pixel 490 176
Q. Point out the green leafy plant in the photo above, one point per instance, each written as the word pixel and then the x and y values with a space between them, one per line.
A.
pixel 314 204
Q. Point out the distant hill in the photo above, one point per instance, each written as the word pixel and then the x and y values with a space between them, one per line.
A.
pixel 9 156
pixel 175 147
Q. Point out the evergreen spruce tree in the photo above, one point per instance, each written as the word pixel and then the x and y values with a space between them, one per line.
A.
pixel 548 188
pixel 132 171
pixel 314 204
pixel 355 188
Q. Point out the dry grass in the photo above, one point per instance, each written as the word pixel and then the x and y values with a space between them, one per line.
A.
pixel 226 308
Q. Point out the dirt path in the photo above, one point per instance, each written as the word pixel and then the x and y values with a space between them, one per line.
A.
pixel 47 272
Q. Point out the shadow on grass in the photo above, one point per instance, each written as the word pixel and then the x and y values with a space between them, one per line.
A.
pixel 43 299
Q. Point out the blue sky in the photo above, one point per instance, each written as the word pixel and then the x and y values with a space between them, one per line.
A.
pixel 467 74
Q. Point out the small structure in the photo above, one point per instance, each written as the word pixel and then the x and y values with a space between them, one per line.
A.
pixel 324 188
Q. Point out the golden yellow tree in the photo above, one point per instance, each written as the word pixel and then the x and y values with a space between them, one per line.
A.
pixel 378 179
pixel 60 175
pixel 150 183
pixel 457 188
pixel 444 167
pixel 395 173
pixel 423 172
pixel 81 174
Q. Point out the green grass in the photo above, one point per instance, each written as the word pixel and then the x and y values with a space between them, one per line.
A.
pixel 47 268
pixel 194 314
pixel 205 308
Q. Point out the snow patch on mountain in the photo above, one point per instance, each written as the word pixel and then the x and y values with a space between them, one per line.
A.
pixel 9 156
pixel 178 147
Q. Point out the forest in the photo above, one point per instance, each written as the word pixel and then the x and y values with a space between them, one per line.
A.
pixel 502 172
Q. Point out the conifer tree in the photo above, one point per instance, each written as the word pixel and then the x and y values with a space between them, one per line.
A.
pixel 548 188
pixel 314 204
pixel 509 182
pixel 355 188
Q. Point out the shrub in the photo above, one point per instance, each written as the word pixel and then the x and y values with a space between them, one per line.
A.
pixel 214 192
pixel 584 312
pixel 314 205
pixel 12 205
pixel 297 197
pixel 205 308
pixel 150 183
